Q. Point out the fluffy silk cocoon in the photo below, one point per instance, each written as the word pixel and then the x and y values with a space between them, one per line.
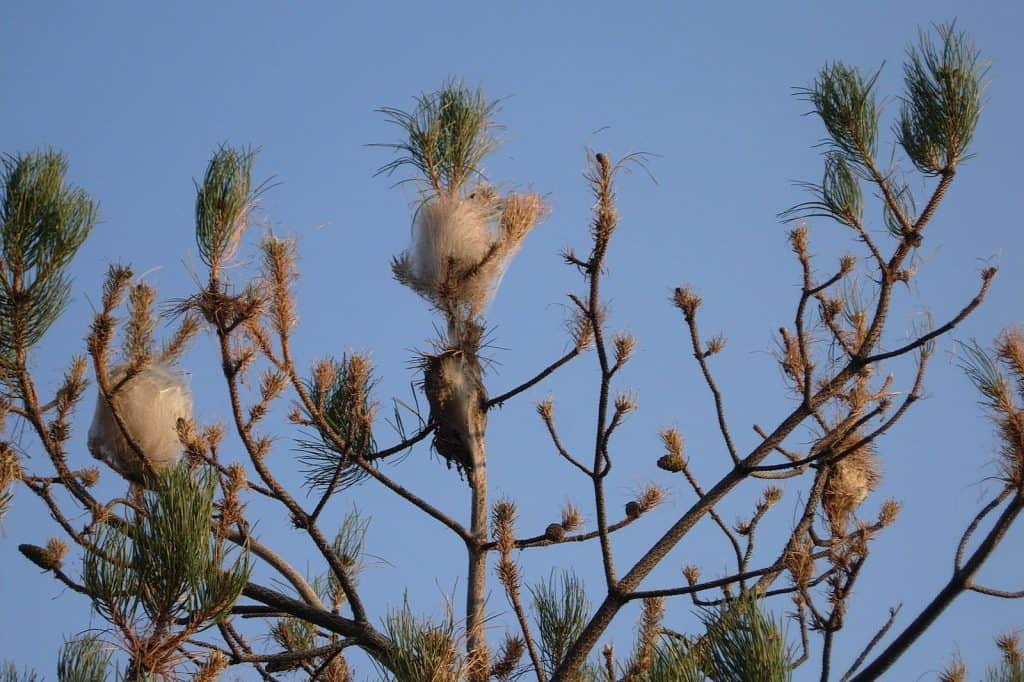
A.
pixel 150 405
pixel 456 395
pixel 451 232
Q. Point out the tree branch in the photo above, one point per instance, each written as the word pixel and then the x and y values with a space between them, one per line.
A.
pixel 987 276
pixel 545 373
pixel 957 584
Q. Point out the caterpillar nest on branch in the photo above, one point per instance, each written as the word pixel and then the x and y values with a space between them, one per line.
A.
pixel 456 395
pixel 461 246
pixel 150 405
pixel 848 483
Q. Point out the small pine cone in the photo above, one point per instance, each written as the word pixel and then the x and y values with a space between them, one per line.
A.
pixel 554 532
pixel 633 509
pixel 40 556
pixel 671 462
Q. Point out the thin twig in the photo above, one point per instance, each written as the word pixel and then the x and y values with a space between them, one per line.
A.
pixel 986 280
pixel 959 582
pixel 543 374
pixel 550 424
pixel 958 559
pixel 872 643
pixel 699 354
pixel 992 592
pixel 544 540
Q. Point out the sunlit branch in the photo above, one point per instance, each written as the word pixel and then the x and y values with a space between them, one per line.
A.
pixel 992 592
pixel 404 445
pixel 275 560
pixel 701 356
pixel 544 540
pixel 958 560
pixel 986 280
pixel 959 582
pixel 716 517
pixel 549 422
pixel 872 643
pixel 768 593
pixel 545 373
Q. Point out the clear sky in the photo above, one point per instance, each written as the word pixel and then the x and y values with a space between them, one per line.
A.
pixel 139 94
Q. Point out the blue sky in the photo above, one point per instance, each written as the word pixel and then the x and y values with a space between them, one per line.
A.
pixel 138 95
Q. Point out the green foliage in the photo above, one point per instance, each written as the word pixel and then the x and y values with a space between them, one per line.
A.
pixel 223 203
pixel 449 132
pixel 984 373
pixel 5 504
pixel 1005 672
pixel 904 199
pixel 673 661
pixel 166 563
pixel 294 634
pixel 84 659
pixel 741 644
pixel 348 547
pixel 839 195
pixel 109 576
pixel 424 651
pixel 560 612
pixel 343 393
pixel 943 100
pixel 43 222
pixel 940 111
pixel 842 97
pixel 9 673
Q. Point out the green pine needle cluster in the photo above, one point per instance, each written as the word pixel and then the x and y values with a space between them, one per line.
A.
pixel 906 205
pixel 839 195
pixel 85 659
pixel 43 222
pixel 741 644
pixel 941 105
pixel 842 97
pixel 943 101
pixel 348 546
pixel 165 566
pixel 345 400
pixel 1006 672
pixel 981 368
pixel 449 132
pixel 424 651
pixel 561 611
pixel 673 661
pixel 224 201
pixel 9 673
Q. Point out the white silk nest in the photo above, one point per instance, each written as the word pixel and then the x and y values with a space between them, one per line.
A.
pixel 451 231
pixel 150 405
pixel 461 247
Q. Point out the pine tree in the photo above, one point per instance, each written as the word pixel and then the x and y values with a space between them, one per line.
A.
pixel 169 565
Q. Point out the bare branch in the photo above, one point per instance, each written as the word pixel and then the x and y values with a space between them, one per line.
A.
pixel 957 584
pixel 700 355
pixel 545 410
pixel 992 592
pixel 987 276
pixel 543 374
pixel 545 540
pixel 958 559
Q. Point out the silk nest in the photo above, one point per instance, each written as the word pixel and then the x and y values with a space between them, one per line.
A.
pixel 150 405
